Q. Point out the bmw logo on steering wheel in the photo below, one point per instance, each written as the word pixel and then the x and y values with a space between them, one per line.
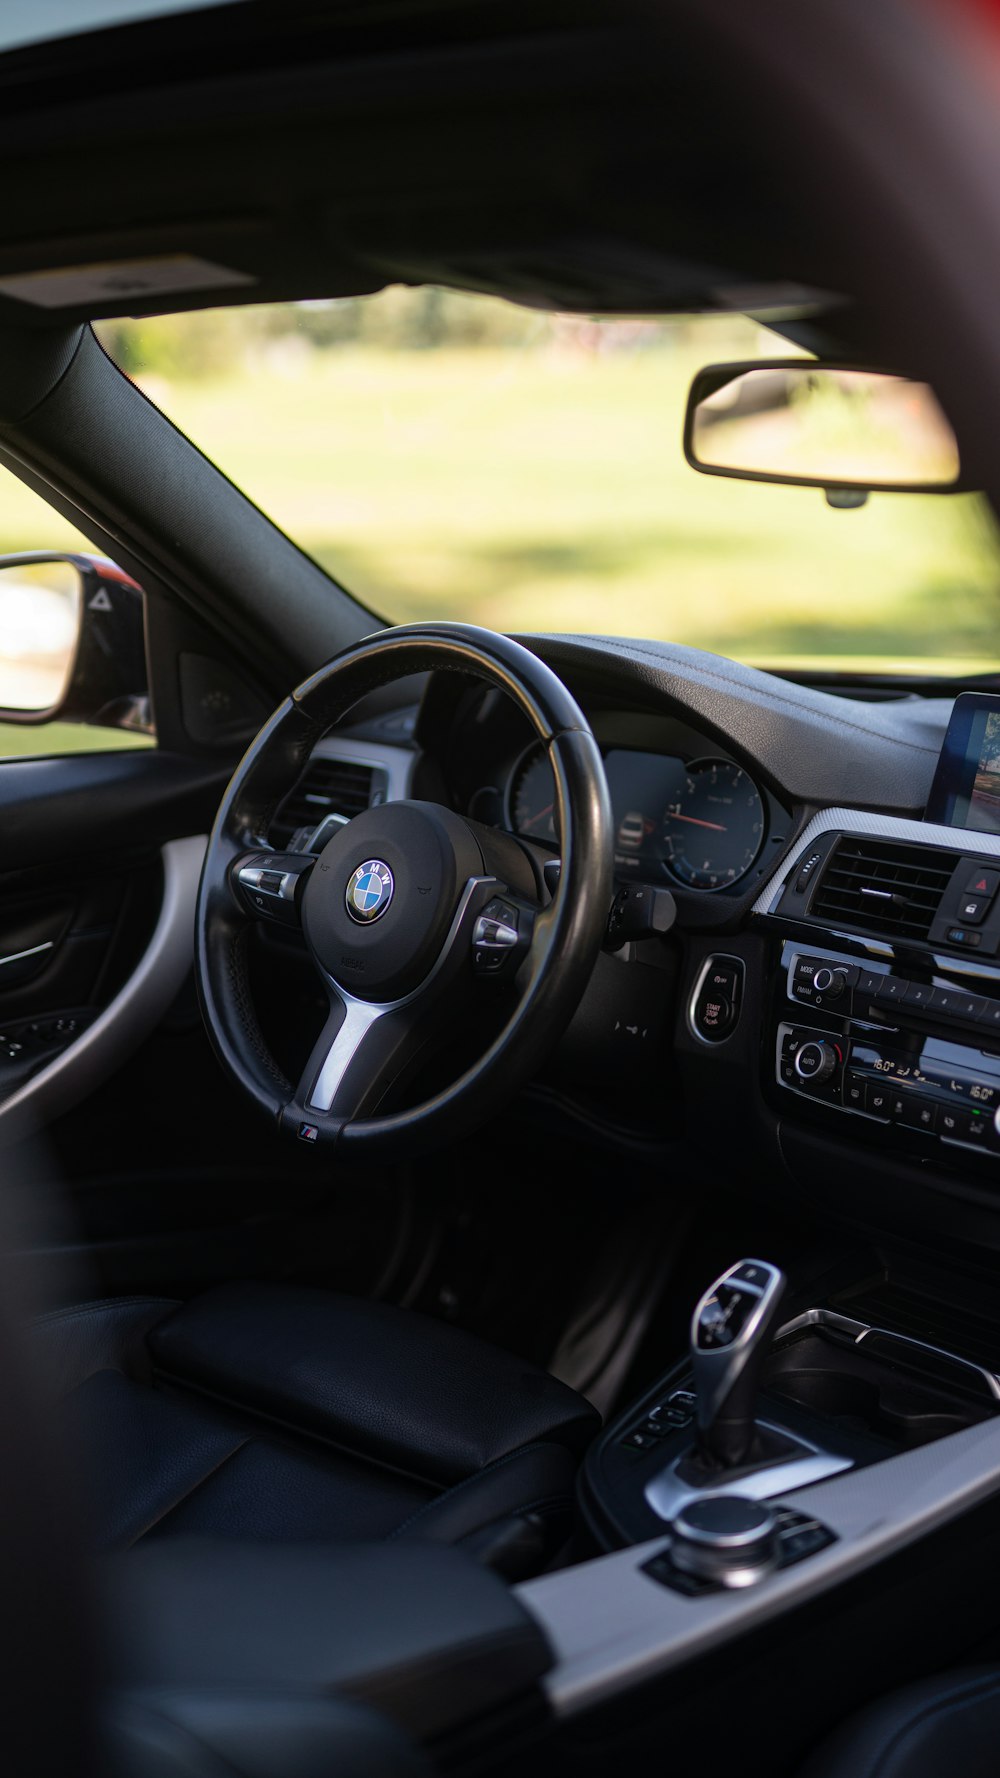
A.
pixel 369 891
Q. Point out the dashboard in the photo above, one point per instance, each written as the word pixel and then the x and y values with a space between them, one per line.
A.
pixel 823 1014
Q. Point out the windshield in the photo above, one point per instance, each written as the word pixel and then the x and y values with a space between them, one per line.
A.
pixel 449 456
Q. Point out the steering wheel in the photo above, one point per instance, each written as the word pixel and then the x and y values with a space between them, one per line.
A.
pixel 409 911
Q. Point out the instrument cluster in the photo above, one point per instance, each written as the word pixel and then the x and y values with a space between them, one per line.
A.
pixel 701 821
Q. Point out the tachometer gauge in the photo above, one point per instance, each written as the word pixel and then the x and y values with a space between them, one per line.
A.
pixel 714 827
pixel 531 796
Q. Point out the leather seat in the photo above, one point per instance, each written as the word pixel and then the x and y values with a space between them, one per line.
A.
pixel 944 1725
pixel 229 1735
pixel 268 1412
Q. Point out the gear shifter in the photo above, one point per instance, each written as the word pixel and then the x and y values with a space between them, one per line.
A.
pixel 730 1333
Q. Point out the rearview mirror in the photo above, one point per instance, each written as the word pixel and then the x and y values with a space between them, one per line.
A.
pixel 816 425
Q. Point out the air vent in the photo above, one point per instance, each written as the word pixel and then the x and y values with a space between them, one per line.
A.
pixel 327 787
pixel 877 887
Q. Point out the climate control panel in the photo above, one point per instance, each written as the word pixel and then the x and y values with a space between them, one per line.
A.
pixel 952 1100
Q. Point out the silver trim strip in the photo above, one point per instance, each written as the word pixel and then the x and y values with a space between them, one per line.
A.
pixel 135 1010
pixel 32 951
pixel 613 1628
pixel 667 1494
pixel 397 762
pixel 892 827
pixel 715 957
pixel 361 1015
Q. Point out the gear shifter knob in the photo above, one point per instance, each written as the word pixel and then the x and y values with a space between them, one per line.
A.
pixel 730 1332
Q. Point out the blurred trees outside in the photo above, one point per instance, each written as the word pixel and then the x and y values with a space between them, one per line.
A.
pixel 216 342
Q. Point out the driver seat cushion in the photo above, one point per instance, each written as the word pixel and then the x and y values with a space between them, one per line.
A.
pixel 273 1412
pixel 935 1726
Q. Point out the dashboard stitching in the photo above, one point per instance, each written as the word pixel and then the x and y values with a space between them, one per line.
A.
pixel 633 652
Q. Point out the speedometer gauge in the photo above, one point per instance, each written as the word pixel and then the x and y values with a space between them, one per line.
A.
pixel 714 827
pixel 531 796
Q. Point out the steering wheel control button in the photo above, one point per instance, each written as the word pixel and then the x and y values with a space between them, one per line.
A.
pixel 269 885
pixel 726 1539
pixel 499 937
pixel 369 891
pixel 714 1009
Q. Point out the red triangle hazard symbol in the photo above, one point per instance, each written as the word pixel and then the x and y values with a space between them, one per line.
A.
pixel 981 885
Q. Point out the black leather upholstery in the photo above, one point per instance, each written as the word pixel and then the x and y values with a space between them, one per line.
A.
pixel 181 1734
pixel 424 1636
pixel 266 1412
pixel 942 1726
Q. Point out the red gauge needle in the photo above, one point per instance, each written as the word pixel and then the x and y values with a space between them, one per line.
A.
pixel 539 817
pixel 694 822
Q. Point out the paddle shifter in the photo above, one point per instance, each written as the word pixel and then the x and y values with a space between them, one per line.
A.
pixel 730 1333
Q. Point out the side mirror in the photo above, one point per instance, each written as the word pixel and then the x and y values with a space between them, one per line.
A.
pixel 817 425
pixel 72 642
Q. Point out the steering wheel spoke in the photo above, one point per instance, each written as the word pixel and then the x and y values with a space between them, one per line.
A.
pixel 361 1051
pixel 269 885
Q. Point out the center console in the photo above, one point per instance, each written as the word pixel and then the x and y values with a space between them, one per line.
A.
pixel 843 1441
pixel 834 1390
pixel 796 1450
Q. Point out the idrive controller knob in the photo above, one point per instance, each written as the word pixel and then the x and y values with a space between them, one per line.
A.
pixel 726 1539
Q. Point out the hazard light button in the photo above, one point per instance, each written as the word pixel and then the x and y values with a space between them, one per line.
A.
pixel 983 883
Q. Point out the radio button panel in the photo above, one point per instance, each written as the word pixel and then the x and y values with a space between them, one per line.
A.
pixel 920 1056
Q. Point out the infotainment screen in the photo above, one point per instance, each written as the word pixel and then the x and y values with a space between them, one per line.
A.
pixel 966 787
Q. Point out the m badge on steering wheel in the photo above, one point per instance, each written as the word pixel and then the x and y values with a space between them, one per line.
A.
pixel 369 891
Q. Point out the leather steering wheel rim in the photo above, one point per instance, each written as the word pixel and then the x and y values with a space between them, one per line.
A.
pixel 566 933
